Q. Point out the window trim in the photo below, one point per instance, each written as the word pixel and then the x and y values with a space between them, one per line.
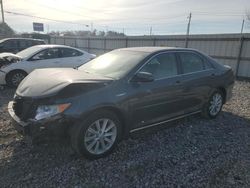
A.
pixel 179 67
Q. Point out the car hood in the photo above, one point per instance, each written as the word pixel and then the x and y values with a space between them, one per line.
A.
pixel 47 82
pixel 5 54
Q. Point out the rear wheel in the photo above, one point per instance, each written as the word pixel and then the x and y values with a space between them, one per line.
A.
pixel 14 78
pixel 214 105
pixel 97 136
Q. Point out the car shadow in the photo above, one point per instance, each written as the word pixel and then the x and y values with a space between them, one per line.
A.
pixel 206 148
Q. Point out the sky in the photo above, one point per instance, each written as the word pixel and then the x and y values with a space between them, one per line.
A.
pixel 134 17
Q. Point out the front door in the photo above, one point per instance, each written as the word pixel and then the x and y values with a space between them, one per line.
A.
pixel 157 100
pixel 48 58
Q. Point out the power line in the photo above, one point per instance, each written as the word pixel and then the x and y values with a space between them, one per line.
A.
pixel 59 10
pixel 43 18
pixel 119 19
pixel 218 14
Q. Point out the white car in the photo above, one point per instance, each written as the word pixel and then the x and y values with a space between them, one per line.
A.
pixel 14 67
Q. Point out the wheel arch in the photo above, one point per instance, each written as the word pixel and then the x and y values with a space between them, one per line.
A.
pixel 15 70
pixel 118 112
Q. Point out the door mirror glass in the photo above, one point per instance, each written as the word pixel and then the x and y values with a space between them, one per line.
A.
pixel 143 77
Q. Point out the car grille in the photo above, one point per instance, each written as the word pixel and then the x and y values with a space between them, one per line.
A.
pixel 24 108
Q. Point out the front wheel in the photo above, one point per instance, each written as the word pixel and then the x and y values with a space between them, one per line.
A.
pixel 14 78
pixel 214 105
pixel 97 136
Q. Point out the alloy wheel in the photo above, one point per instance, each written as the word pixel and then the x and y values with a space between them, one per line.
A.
pixel 215 104
pixel 17 78
pixel 100 136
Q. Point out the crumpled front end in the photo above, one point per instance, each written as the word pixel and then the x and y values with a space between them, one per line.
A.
pixel 7 59
pixel 23 111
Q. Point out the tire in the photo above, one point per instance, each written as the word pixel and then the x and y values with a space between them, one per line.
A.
pixel 88 142
pixel 214 105
pixel 14 78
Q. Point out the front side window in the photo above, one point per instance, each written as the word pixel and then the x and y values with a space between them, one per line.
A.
pixel 162 66
pixel 47 54
pixel 191 62
pixel 10 44
pixel 67 52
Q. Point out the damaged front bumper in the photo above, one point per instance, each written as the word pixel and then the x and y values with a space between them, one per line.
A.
pixel 56 125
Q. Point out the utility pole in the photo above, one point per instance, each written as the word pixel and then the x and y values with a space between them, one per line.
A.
pixel 242 26
pixel 91 27
pixel 47 28
pixel 188 29
pixel 1 1
pixel 150 33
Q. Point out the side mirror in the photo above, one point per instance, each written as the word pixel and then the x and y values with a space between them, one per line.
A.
pixel 143 77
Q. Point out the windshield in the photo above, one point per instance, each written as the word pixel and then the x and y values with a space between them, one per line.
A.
pixel 114 64
pixel 29 51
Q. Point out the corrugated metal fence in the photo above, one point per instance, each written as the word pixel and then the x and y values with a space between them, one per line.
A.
pixel 228 49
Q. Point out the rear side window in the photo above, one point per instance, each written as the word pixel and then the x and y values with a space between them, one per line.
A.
pixel 24 44
pixel 68 52
pixel 162 66
pixel 191 62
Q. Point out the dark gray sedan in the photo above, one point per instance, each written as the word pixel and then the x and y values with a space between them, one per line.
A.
pixel 118 93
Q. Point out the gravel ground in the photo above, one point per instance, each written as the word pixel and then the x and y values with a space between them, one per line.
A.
pixel 192 152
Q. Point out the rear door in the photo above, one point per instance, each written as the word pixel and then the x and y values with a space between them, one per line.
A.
pixel 71 57
pixel 160 99
pixel 196 77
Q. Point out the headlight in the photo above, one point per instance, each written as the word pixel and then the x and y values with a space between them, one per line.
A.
pixel 46 111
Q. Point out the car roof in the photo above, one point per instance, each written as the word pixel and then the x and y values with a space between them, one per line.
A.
pixel 153 49
pixel 21 39
pixel 54 46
